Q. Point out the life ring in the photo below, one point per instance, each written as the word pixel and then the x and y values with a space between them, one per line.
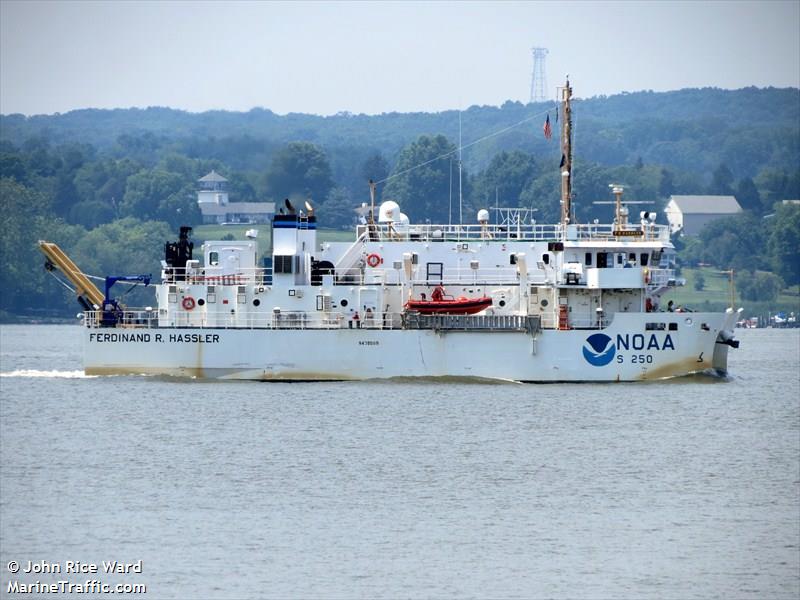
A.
pixel 373 260
pixel 646 275
pixel 188 303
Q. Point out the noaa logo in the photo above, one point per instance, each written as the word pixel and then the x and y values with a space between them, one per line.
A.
pixel 599 350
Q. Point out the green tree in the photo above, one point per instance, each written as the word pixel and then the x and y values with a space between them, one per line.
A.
pixel 180 208
pixel 422 181
pixel 543 194
pixel 506 177
pixel 774 186
pixel 339 209
pixel 91 213
pixel 737 242
pixel 699 282
pixel 784 242
pixel 146 190
pixel 13 167
pixel 25 284
pixel 758 286
pixel 747 195
pixel 300 170
pixel 125 247
pixel 241 189
pixel 666 185
pixel 721 181
pixel 375 168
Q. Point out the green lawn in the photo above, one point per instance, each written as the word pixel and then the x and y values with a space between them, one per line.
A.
pixel 716 290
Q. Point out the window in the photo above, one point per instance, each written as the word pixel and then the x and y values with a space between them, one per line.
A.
pixel 643 258
pixel 213 258
pixel 673 327
pixel 620 258
pixel 632 257
pixel 655 326
pixel 588 259
pixel 546 259
pixel 435 271
pixel 282 264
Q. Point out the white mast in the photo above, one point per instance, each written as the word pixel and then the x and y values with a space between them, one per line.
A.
pixel 460 211
pixel 450 210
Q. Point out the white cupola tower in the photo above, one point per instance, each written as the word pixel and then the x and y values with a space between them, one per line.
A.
pixel 213 190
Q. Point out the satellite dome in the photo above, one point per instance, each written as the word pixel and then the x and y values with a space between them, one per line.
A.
pixel 483 216
pixel 389 212
pixel 404 219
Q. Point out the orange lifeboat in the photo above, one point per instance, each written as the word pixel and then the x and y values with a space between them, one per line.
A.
pixel 442 304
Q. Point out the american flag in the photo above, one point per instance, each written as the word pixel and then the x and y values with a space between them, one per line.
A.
pixel 548 132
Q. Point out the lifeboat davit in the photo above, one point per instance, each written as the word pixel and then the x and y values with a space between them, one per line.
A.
pixel 442 304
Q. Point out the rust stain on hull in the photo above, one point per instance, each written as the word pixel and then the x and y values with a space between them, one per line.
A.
pixel 200 373
pixel 679 368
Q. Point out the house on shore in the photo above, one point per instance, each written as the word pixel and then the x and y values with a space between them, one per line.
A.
pixel 212 199
pixel 689 214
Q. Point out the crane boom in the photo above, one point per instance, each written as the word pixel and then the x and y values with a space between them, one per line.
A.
pixel 83 286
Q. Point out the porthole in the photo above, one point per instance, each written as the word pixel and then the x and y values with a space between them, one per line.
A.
pixel 343 302
pixel 544 302
pixel 256 302
pixel 689 320
pixel 200 302
pixel 502 303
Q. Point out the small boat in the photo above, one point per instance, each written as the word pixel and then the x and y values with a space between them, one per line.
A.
pixel 443 304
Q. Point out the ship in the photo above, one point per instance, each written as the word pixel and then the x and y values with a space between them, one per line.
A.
pixel 504 299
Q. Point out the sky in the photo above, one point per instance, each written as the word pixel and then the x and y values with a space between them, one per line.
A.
pixel 375 57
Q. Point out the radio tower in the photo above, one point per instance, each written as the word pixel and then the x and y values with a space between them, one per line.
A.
pixel 539 75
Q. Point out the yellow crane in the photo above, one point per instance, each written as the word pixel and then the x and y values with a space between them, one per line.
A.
pixel 88 294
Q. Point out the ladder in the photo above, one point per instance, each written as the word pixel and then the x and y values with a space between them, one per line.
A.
pixel 563 317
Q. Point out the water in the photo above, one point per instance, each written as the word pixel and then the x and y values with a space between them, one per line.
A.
pixel 681 489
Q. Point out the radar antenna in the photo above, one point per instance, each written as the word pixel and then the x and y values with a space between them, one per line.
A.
pixel 620 212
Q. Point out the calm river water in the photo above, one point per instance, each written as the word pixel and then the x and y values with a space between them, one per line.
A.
pixel 681 489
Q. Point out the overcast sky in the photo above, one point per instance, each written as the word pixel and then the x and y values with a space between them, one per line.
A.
pixel 327 57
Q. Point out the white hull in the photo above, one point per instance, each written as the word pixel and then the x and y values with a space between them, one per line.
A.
pixel 357 354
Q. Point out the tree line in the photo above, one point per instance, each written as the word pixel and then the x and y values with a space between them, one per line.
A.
pixel 106 200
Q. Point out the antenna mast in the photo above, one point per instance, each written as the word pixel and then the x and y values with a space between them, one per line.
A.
pixel 460 212
pixel 371 202
pixel 566 149
pixel 539 75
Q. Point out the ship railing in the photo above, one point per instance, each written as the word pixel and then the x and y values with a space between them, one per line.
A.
pixel 461 276
pixel 527 323
pixel 660 278
pixel 217 276
pixel 611 232
pixel 133 319
pixel 533 232
pixel 149 319
pixel 427 232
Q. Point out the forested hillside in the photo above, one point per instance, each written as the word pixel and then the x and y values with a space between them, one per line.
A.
pixel 110 184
